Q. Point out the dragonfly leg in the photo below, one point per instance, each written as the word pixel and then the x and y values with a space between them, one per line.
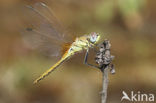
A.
pixel 86 60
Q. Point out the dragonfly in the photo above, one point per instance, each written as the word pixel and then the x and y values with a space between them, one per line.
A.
pixel 44 34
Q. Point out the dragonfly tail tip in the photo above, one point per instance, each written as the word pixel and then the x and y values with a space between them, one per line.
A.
pixel 35 82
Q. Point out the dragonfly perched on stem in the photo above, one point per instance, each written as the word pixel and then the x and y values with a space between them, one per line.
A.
pixel 44 34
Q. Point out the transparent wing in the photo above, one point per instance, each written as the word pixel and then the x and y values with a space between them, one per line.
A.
pixel 45 44
pixel 43 31
pixel 48 22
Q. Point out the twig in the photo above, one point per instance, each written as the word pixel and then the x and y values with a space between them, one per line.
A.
pixel 105 86
pixel 103 59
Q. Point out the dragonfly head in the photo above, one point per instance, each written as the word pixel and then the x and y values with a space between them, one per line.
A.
pixel 94 37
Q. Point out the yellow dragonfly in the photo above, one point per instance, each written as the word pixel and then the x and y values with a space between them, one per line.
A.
pixel 44 34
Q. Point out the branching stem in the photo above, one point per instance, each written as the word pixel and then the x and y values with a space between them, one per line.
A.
pixel 103 59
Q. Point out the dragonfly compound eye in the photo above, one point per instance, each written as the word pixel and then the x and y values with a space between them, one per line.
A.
pixel 94 37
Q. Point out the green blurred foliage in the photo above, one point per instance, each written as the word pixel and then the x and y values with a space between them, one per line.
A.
pixel 129 6
pixel 104 11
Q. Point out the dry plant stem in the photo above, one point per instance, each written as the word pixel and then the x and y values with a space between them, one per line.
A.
pixel 103 59
pixel 104 85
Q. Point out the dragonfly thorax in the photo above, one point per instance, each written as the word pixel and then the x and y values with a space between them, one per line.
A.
pixel 84 42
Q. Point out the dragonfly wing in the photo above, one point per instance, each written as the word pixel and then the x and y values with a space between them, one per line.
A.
pixel 46 22
pixel 43 31
pixel 47 45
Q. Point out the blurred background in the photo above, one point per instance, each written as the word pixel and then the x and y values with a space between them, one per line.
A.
pixel 130 25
